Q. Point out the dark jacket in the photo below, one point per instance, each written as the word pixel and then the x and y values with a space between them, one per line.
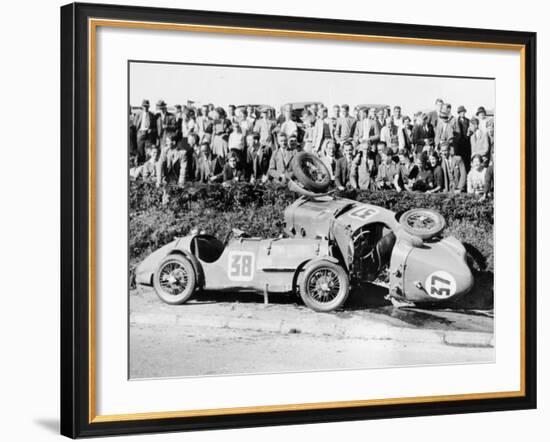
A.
pixel 421 132
pixel 342 172
pixel 208 167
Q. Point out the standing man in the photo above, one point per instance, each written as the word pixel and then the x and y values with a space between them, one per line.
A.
pixel 257 159
pixel 389 134
pixel 397 116
pixel 462 140
pixel 405 135
pixel 444 132
pixel 359 126
pixel 343 167
pixel 231 113
pixel 454 170
pixel 322 131
pixel 289 127
pixel 479 140
pixel 265 127
pixel 145 126
pixel 371 128
pixel 202 122
pixel 166 123
pixel 433 115
pixel 486 124
pixel 345 125
pixel 423 134
pixel 280 163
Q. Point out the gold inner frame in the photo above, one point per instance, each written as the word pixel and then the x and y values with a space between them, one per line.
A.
pixel 93 24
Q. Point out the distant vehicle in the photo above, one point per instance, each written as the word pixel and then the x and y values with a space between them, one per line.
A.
pixel 377 107
pixel 298 107
pixel 331 244
pixel 256 107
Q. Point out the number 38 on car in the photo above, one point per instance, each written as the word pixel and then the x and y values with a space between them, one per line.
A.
pixel 330 244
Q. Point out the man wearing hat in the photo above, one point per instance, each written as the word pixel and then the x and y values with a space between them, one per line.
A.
pixel 462 138
pixel 444 132
pixel 265 128
pixel 486 124
pixel 166 123
pixel 433 115
pixel 144 123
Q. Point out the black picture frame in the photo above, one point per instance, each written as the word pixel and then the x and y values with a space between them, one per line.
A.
pixel 75 220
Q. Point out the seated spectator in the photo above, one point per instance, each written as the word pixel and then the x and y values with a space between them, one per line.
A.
pixel 147 170
pixel 280 164
pixel 293 143
pixel 172 164
pixel 364 169
pixel 379 148
pixel 209 166
pixel 258 156
pixel 438 180
pixel 408 171
pixel 387 171
pixel 424 180
pixel 476 176
pixel 232 171
pixel 343 167
pixel 329 158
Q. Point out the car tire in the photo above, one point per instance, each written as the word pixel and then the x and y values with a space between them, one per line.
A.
pixel 175 279
pixel 424 223
pixel 324 286
pixel 311 172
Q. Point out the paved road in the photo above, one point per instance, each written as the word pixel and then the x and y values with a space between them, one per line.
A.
pixel 228 334
pixel 166 351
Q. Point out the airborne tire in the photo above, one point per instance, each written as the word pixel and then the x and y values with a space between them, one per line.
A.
pixel 311 172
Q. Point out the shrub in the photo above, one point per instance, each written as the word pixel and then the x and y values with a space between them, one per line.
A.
pixel 157 215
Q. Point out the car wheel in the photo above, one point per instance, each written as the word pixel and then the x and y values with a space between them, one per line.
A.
pixel 175 279
pixel 425 223
pixel 324 286
pixel 311 172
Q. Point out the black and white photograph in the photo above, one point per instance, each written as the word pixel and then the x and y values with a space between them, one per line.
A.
pixel 294 220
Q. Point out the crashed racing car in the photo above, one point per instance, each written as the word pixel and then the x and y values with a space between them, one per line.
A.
pixel 330 244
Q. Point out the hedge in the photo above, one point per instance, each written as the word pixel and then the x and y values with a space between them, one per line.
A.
pixel 157 215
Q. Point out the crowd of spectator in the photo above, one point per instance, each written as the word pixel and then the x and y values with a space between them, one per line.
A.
pixel 367 148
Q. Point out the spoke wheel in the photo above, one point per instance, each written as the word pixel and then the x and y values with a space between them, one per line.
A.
pixel 175 279
pixel 311 172
pixel 324 286
pixel 425 223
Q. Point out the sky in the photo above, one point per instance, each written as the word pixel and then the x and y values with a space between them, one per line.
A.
pixel 177 83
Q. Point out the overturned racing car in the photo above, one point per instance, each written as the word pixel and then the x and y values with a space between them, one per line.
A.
pixel 330 244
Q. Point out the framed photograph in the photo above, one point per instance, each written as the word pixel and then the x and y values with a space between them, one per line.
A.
pixel 273 220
